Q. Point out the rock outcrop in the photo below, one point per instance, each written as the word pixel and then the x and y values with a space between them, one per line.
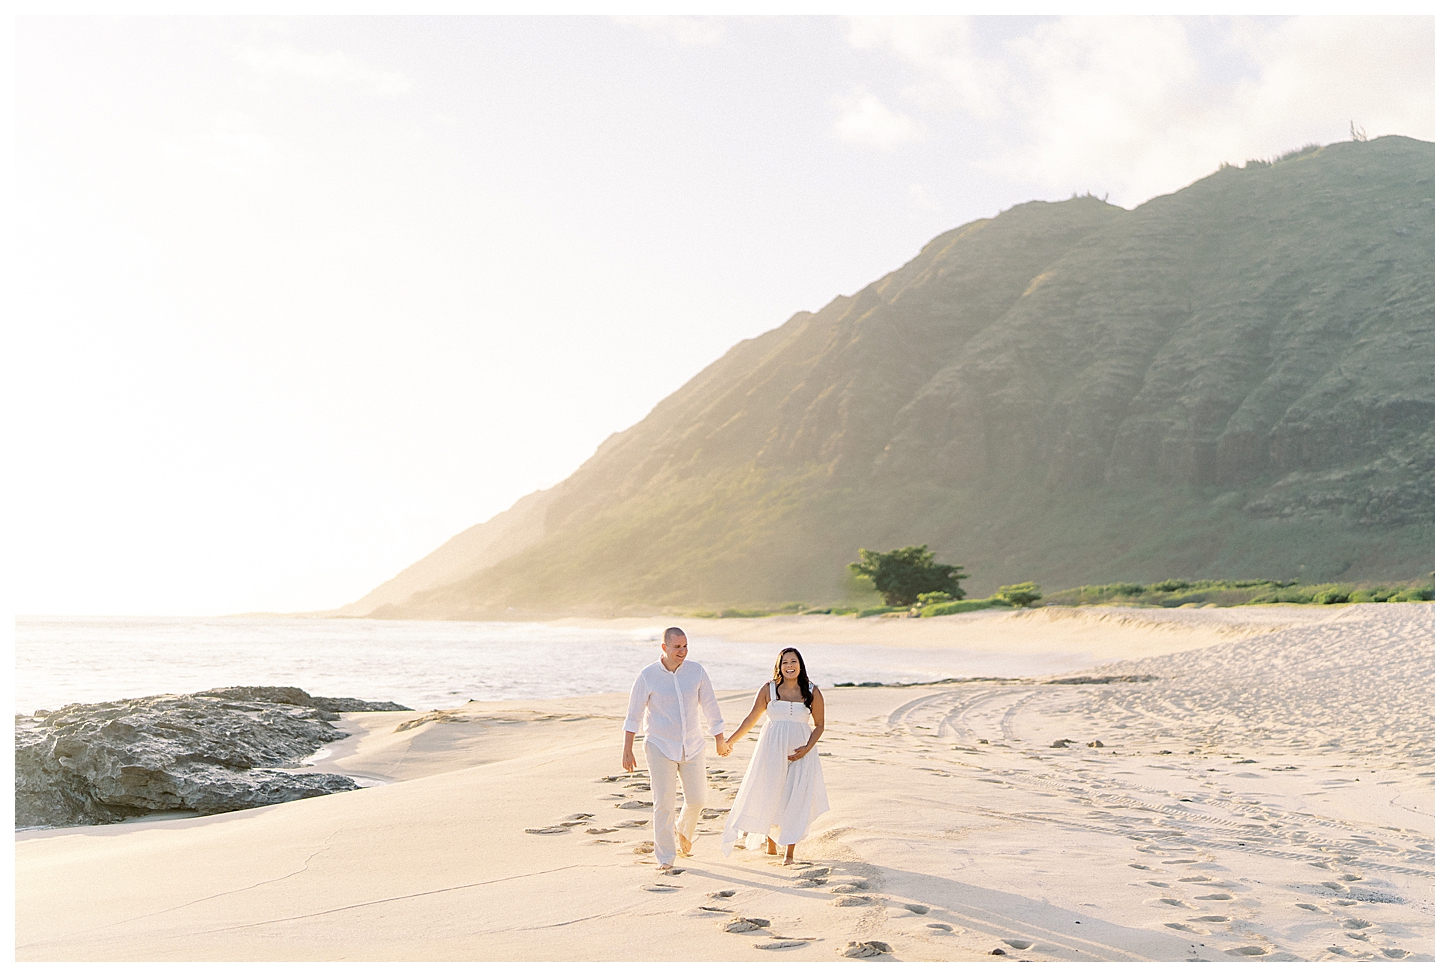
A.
pixel 205 753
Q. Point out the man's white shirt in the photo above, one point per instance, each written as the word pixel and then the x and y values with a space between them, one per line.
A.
pixel 673 701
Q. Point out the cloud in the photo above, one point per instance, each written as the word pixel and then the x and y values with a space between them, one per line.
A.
pixel 944 48
pixel 866 120
pixel 335 68
pixel 1140 106
pixel 685 31
pixel 234 145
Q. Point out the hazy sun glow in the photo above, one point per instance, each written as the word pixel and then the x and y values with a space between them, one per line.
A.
pixel 297 299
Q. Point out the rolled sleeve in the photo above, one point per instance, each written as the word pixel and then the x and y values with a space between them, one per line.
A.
pixel 711 707
pixel 638 696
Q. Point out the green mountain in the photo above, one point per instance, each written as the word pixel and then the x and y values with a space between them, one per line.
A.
pixel 1236 379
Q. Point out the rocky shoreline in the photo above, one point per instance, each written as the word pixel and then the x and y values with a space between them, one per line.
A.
pixel 205 753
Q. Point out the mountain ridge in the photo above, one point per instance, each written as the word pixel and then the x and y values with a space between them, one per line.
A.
pixel 1235 379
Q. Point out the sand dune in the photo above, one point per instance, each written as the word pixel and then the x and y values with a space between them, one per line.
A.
pixel 1104 632
pixel 1269 794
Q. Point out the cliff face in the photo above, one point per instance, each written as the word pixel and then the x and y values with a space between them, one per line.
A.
pixel 1235 379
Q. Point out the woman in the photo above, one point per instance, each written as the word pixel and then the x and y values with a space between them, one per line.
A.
pixel 784 789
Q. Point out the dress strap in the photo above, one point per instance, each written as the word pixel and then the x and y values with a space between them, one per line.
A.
pixel 773 693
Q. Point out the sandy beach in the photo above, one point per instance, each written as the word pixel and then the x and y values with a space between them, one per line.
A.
pixel 1268 793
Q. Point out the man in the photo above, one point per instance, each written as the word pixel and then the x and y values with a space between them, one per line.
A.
pixel 672 692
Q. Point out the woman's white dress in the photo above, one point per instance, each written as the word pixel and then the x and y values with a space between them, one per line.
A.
pixel 778 797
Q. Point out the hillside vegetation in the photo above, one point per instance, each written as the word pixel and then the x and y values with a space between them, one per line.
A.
pixel 1232 381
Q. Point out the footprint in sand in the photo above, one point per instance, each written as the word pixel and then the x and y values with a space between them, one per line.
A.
pixel 1216 896
pixel 630 824
pixel 1357 924
pixel 847 901
pixel 1395 953
pixel 600 831
pixel 1185 928
pixel 780 944
pixel 715 909
pixel 868 948
pixel 1178 903
pixel 917 908
pixel 744 924
pixel 932 929
pixel 1309 906
pixel 553 829
pixel 1160 885
pixel 1247 951
pixel 1209 919
pixel 660 887
pixel 848 887
pixel 813 873
pixel 644 848
pixel 809 883
pixel 721 894
pixel 1141 868
pixel 634 805
pixel 1358 936
pixel 1019 944
pixel 1195 878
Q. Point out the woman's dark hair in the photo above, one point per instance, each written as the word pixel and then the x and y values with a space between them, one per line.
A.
pixel 803 678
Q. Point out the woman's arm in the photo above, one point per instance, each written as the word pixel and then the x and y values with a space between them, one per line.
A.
pixel 756 711
pixel 818 716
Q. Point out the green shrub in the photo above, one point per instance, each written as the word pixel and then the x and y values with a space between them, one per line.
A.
pixel 1019 594
pixel 737 612
pixel 961 606
pixel 934 597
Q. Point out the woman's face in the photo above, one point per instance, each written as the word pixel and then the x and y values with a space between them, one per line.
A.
pixel 790 665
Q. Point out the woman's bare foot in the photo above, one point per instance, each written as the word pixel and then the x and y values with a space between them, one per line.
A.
pixel 770 846
pixel 789 855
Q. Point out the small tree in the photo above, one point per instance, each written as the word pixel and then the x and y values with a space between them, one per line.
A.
pixel 1019 594
pixel 901 575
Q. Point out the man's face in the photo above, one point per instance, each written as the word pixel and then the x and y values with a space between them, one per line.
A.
pixel 676 648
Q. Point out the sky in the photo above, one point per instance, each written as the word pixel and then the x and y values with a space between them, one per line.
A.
pixel 296 299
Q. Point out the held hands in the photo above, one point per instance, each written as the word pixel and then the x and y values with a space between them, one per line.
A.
pixel 722 745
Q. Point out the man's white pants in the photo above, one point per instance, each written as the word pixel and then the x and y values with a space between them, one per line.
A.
pixel 662 773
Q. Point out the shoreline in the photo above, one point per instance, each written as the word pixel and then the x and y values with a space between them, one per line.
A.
pixel 1257 801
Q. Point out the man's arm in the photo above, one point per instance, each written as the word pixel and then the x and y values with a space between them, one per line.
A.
pixel 633 717
pixel 712 713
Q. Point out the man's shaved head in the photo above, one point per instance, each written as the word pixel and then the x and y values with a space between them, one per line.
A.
pixel 673 633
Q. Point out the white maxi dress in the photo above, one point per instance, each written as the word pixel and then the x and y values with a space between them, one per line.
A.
pixel 778 797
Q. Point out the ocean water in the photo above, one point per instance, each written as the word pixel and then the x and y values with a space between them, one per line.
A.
pixel 422 664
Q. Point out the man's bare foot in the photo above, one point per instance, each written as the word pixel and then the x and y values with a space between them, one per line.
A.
pixel 788 860
pixel 683 844
pixel 665 868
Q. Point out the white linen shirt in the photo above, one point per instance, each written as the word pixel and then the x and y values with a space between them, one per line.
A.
pixel 673 701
